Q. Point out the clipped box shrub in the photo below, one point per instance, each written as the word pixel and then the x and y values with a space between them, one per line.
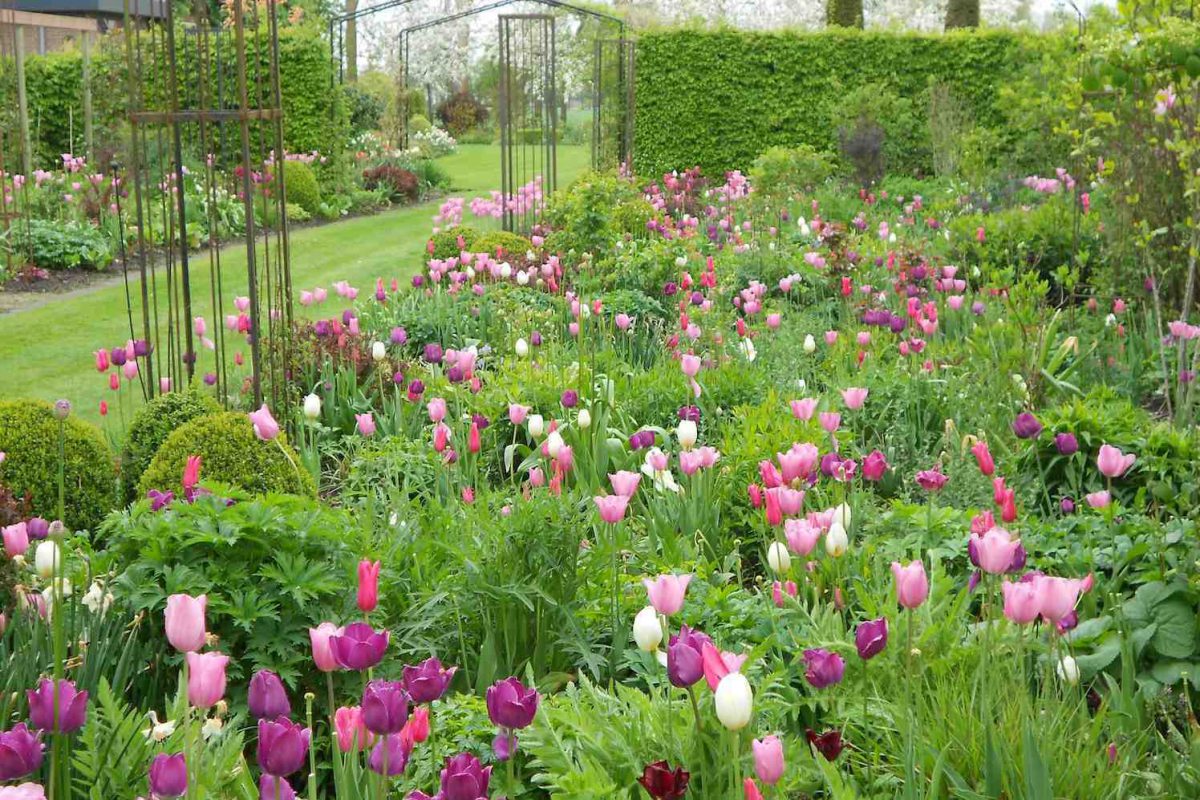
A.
pixel 512 245
pixel 29 440
pixel 445 243
pixel 301 185
pixel 151 426
pixel 230 454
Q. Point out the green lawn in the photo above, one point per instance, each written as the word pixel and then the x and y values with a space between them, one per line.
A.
pixel 46 352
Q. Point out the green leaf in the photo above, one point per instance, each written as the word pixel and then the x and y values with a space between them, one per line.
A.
pixel 1176 633
pixel 1037 776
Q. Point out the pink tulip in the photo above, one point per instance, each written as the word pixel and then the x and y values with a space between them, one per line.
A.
pixel 1112 462
pixel 624 483
pixel 441 437
pixel 768 759
pixel 265 426
pixel 798 462
pixel 1098 499
pixel 517 413
pixel 690 365
pixel 242 304
pixel 352 732
pixel 16 539
pixel 774 321
pixel 995 550
pixel 206 678
pixel 612 507
pixel 366 424
pixel 185 624
pixel 321 649
pixel 436 409
pixel 983 457
pixel 804 409
pixel 666 592
pixel 1022 601
pixel 24 791
pixel 854 397
pixel 368 586
pixel 1057 596
pixel 199 326
pixel 830 421
pixel 718 663
pixel 622 321
pixel 537 478
pixel 130 370
pixel 801 536
pixel 831 337
pixel 778 589
pixel 102 362
pixel 565 458
pixel 912 586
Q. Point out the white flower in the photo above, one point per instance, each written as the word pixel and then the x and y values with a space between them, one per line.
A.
pixel 734 701
pixel 506 270
pixel 537 425
pixel 1068 670
pixel 554 444
pixel 378 351
pixel 810 344
pixel 748 350
pixel 312 407
pixel 47 558
pixel 521 348
pixel 686 433
pixel 778 558
pixel 212 727
pixel 522 278
pixel 681 261
pixel 97 600
pixel 585 419
pixel 842 515
pixel 158 731
pixel 647 630
pixel 836 540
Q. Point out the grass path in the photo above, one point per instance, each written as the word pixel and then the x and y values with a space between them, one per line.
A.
pixel 46 350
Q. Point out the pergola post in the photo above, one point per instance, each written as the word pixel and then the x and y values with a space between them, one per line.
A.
pixel 23 101
pixel 86 47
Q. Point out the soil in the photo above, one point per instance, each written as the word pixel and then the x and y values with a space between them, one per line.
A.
pixel 24 292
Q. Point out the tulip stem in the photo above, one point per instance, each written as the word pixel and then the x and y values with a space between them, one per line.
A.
pixel 312 751
pixel 333 743
pixel 695 710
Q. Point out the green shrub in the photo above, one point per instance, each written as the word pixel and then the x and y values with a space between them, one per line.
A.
pixel 418 123
pixel 301 185
pixel 789 88
pixel 271 568
pixel 783 171
pixel 513 245
pixel 62 245
pixel 297 214
pixel 581 215
pixel 230 454
pixel 631 216
pixel 151 426
pixel 446 245
pixel 29 438
pixel 460 112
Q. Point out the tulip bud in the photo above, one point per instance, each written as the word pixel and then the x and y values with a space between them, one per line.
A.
pixel 778 557
pixel 842 515
pixel 521 348
pixel 47 558
pixel 537 426
pixel 1068 670
pixel 734 701
pixel 686 433
pixel 647 630
pixel 378 351
pixel 554 444
pixel 585 419
pixel 312 407
pixel 810 344
pixel 836 540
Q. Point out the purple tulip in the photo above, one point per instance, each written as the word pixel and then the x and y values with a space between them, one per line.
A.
pixel 1067 505
pixel 685 664
pixel 272 788
pixel 416 388
pixel 456 374
pixel 267 697
pixel 399 336
pixel 359 647
pixel 689 413
pixel 282 746
pixel 504 745
pixel 384 706
pixel 511 705
pixel 37 528
pixel 418 281
pixel 823 668
pixel 535 339
pixel 570 398
pixel 427 681
pixel 168 775
pixel 871 638
pixel 72 707
pixel 1026 426
pixel 1066 443
pixel 464 778
pixel 433 353
pixel 397 750
pixel 20 752
pixel 977 308
pixel 640 440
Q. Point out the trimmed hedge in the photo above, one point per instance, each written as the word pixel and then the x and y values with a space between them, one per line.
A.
pixel 151 426
pixel 230 453
pixel 719 99
pixel 29 440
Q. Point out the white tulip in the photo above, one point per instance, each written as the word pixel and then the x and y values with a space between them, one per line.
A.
pixel 522 278
pixel 747 346
pixel 1068 670
pixel 810 344
pixel 537 425
pixel 585 419
pixel 647 630
pixel 836 540
pixel 470 273
pixel 842 514
pixel 47 558
pixel 506 270
pixel 379 351
pixel 312 407
pixel 734 700
pixel 681 261
pixel 554 444
pixel 686 433
pixel 522 348
pixel 778 557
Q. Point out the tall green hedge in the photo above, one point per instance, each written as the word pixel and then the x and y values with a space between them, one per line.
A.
pixel 314 117
pixel 718 99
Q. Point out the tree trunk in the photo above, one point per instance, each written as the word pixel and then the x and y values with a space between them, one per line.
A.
pixel 962 14
pixel 845 13
pixel 351 42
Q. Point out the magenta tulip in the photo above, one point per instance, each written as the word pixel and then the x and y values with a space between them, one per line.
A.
pixel 358 646
pixel 267 698
pixel 57 707
pixel 282 746
pixel 368 586
pixel 21 752
pixel 168 776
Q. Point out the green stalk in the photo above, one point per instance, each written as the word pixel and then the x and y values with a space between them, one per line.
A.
pixel 312 751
